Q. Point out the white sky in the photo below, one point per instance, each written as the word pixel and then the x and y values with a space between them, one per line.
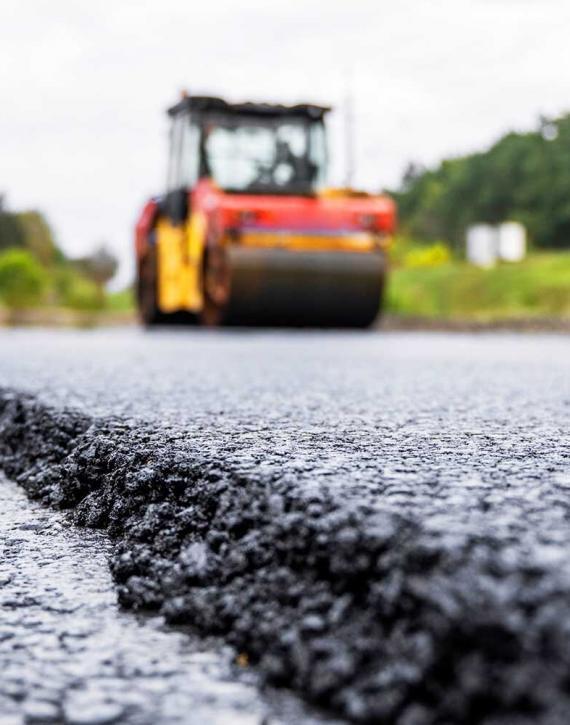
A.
pixel 84 86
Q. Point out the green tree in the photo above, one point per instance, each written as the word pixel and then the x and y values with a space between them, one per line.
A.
pixel 99 267
pixel 11 233
pixel 22 279
pixel 75 291
pixel 523 177
pixel 38 237
pixel 28 230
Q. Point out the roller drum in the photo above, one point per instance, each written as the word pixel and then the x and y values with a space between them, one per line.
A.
pixel 304 288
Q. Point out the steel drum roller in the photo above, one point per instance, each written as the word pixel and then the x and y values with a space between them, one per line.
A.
pixel 297 288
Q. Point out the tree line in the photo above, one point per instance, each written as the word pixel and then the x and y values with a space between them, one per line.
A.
pixel 35 271
pixel 523 177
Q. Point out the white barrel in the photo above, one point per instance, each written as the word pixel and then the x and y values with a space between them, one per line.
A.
pixel 511 245
pixel 481 245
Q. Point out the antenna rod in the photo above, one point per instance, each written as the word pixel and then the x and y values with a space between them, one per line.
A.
pixel 349 130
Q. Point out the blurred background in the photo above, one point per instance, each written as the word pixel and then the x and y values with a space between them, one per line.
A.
pixel 458 108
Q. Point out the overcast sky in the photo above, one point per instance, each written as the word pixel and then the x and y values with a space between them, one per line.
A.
pixel 84 86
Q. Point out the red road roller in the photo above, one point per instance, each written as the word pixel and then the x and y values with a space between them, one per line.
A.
pixel 247 232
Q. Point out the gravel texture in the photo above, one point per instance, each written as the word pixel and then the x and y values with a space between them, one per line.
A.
pixel 378 521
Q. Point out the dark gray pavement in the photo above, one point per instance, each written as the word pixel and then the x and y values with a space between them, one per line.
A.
pixel 330 404
pixel 379 520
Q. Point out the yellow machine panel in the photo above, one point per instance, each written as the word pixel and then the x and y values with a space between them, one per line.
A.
pixel 180 253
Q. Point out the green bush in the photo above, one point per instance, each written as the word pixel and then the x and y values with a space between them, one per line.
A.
pixel 23 281
pixel 122 301
pixel 539 286
pixel 73 290
pixel 408 252
pixel 429 255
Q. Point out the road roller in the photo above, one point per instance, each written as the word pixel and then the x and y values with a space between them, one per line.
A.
pixel 247 232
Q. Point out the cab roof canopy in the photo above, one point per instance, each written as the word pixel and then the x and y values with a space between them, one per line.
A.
pixel 210 103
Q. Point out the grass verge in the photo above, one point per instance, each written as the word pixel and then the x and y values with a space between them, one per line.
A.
pixel 537 287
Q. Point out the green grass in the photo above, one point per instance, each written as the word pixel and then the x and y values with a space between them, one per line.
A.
pixel 122 301
pixel 537 287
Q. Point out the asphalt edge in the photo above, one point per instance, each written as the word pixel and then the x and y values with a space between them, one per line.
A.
pixel 359 611
pixel 276 576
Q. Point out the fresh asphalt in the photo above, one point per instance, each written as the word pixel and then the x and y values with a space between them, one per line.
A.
pixel 69 654
pixel 377 521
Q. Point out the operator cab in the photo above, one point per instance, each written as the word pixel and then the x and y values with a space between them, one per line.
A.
pixel 247 148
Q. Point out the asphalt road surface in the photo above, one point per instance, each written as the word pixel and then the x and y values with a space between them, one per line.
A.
pixel 379 522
